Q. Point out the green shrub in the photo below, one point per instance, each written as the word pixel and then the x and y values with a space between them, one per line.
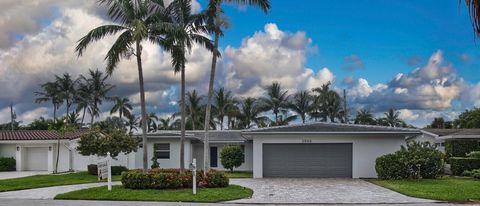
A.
pixel 460 147
pixel 232 156
pixel 416 160
pixel 472 173
pixel 116 170
pixel 390 167
pixel 460 164
pixel 474 154
pixel 171 179
pixel 7 164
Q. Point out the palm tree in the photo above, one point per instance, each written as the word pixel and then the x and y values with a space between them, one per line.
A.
pixel 122 106
pixel 136 21
pixel 73 118
pixel 83 98
pixel 152 122
pixel 99 88
pixel 301 104
pixel 223 100
pixel 250 112
pixel 191 29
pixel 392 118
pixel 276 100
pixel 216 22
pixel 132 123
pixel 194 109
pixel 165 123
pixel 474 10
pixel 365 117
pixel 332 106
pixel 284 119
pixel 67 89
pixel 233 114
pixel 319 102
pixel 50 93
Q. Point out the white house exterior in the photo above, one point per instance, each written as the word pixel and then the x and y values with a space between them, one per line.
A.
pixel 303 150
pixel 439 136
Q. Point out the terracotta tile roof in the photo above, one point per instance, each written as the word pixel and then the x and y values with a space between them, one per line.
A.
pixel 37 135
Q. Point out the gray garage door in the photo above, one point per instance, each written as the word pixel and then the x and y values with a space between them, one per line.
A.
pixel 307 160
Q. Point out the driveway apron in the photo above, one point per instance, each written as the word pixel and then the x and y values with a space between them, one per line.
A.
pixel 320 191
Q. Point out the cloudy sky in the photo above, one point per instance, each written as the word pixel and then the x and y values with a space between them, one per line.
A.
pixel 419 57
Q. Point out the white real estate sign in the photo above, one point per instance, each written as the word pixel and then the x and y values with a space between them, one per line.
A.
pixel 105 170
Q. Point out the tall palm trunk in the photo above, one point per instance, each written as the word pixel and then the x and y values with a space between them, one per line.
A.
pixel 83 115
pixel 206 147
pixel 142 105
pixel 182 121
pixel 54 112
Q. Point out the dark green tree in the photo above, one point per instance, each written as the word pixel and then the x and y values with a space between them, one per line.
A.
pixel 232 156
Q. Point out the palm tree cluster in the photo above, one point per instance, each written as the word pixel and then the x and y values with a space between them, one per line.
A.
pixel 175 29
pixel 391 118
pixel 81 95
pixel 276 107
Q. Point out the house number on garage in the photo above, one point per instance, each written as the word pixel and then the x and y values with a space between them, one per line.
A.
pixel 306 141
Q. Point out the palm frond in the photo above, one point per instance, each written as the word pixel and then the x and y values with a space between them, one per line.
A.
pixel 95 35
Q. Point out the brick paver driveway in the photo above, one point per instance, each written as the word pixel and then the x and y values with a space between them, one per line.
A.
pixel 328 191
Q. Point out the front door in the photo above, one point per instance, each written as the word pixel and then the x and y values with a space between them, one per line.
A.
pixel 213 157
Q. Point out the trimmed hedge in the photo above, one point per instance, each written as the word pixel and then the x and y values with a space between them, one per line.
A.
pixel 416 160
pixel 116 170
pixel 7 164
pixel 171 179
pixel 460 147
pixel 458 165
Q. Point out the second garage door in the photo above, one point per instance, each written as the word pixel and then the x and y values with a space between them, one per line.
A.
pixel 307 160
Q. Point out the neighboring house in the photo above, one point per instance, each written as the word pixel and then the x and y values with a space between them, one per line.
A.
pixel 36 150
pixel 439 136
pixel 302 150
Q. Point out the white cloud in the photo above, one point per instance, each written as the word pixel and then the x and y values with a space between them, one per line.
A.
pixel 272 55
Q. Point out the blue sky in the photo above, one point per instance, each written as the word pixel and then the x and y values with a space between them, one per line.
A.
pixel 385 34
pixel 420 57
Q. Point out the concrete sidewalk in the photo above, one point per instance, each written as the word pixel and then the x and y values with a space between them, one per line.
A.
pixel 48 192
pixel 11 175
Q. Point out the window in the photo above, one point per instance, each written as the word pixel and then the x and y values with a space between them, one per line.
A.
pixel 213 157
pixel 162 151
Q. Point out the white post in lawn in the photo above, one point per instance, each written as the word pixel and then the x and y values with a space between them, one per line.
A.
pixel 109 166
pixel 104 167
pixel 194 171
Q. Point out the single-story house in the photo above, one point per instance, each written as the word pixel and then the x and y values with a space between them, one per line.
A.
pixel 439 136
pixel 301 150
pixel 36 150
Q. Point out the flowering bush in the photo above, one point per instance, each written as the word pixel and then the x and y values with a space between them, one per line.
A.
pixel 171 179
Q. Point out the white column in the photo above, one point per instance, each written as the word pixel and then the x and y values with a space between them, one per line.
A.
pixel 18 158
pixel 50 158
pixel 257 158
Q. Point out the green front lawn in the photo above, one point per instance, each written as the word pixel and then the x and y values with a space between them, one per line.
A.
pixel 38 181
pixel 454 189
pixel 119 193
pixel 239 174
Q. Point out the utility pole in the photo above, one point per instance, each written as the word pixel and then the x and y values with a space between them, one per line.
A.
pixel 345 113
pixel 11 116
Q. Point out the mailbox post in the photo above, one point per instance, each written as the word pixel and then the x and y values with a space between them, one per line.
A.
pixel 194 173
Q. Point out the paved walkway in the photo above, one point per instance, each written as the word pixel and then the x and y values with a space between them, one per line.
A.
pixel 48 192
pixel 10 175
pixel 320 191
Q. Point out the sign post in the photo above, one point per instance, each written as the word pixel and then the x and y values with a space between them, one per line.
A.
pixel 104 167
pixel 194 172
